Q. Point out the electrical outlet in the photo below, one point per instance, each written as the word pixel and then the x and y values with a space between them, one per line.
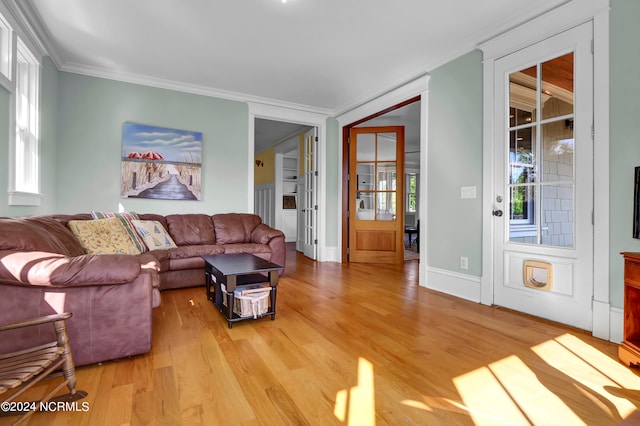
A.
pixel 464 262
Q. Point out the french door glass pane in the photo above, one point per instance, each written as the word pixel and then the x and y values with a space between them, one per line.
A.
pixel 386 205
pixel 558 152
pixel 386 177
pixel 386 147
pixel 365 184
pixel 558 215
pixel 522 155
pixel 556 96
pixel 523 86
pixel 522 213
pixel 366 147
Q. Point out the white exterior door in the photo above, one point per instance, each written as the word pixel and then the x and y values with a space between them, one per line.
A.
pixel 309 202
pixel 543 181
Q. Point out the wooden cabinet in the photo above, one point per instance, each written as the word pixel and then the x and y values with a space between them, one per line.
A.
pixel 629 349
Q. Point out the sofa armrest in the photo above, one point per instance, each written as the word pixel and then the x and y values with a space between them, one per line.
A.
pixel 57 270
pixel 263 233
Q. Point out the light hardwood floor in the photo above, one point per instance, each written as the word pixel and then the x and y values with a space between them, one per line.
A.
pixel 356 345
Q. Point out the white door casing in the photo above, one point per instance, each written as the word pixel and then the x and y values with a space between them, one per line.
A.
pixel 545 234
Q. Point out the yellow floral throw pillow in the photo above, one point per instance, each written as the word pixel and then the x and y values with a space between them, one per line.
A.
pixel 154 234
pixel 103 236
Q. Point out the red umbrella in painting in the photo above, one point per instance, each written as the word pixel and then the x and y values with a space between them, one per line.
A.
pixel 134 155
pixel 151 155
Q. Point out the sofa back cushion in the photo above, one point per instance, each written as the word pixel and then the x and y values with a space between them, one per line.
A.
pixel 125 218
pixel 103 236
pixel 38 233
pixel 235 227
pixel 154 235
pixel 191 229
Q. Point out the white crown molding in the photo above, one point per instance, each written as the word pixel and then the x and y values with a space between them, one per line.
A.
pixel 183 87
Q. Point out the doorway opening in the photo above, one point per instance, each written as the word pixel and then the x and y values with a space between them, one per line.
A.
pixel 281 179
pixel 408 115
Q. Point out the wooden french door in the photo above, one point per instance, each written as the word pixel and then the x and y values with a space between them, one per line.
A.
pixel 376 194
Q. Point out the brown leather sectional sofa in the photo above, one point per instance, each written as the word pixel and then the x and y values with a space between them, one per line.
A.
pixel 44 270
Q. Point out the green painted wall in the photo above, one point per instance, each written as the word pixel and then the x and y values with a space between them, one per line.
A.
pixel 624 135
pixel 454 159
pixel 91 112
pixel 49 136
pixel 332 189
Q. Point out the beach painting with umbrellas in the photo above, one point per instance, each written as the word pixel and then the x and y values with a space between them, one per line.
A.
pixel 160 163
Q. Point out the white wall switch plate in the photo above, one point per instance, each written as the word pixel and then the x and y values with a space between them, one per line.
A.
pixel 467 192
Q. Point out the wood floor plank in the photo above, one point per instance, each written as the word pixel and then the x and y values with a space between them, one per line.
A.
pixel 355 344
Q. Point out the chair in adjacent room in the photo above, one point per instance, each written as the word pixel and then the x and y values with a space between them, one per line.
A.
pixel 413 230
pixel 22 369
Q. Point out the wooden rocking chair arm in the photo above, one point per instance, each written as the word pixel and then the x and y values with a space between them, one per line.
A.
pixel 37 321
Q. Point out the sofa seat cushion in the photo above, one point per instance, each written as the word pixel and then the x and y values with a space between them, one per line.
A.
pixel 186 263
pixel 162 256
pixel 194 251
pixel 235 227
pixel 191 229
pixel 190 257
pixel 38 233
pixel 103 236
pixel 252 248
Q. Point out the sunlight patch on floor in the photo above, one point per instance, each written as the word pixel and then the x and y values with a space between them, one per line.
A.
pixel 595 375
pixel 511 392
pixel 356 406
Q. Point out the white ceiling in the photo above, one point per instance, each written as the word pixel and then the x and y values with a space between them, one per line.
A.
pixel 322 55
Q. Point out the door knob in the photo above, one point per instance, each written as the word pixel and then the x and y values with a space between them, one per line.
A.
pixel 497 213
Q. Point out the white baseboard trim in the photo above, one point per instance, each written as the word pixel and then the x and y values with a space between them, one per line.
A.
pixel 601 320
pixel 617 325
pixel 453 283
pixel 330 254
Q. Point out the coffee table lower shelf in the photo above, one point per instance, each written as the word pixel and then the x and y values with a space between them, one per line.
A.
pixel 228 299
pixel 238 271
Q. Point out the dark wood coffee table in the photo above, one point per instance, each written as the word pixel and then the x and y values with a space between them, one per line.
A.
pixel 237 270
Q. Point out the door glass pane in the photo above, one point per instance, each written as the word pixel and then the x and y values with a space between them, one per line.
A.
pixel 522 213
pixel 522 96
pixel 557 152
pixel 558 215
pixel 365 192
pixel 365 176
pixel 386 206
pixel 386 177
pixel 366 147
pixel 386 201
pixel 387 147
pixel 556 96
pixel 522 155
